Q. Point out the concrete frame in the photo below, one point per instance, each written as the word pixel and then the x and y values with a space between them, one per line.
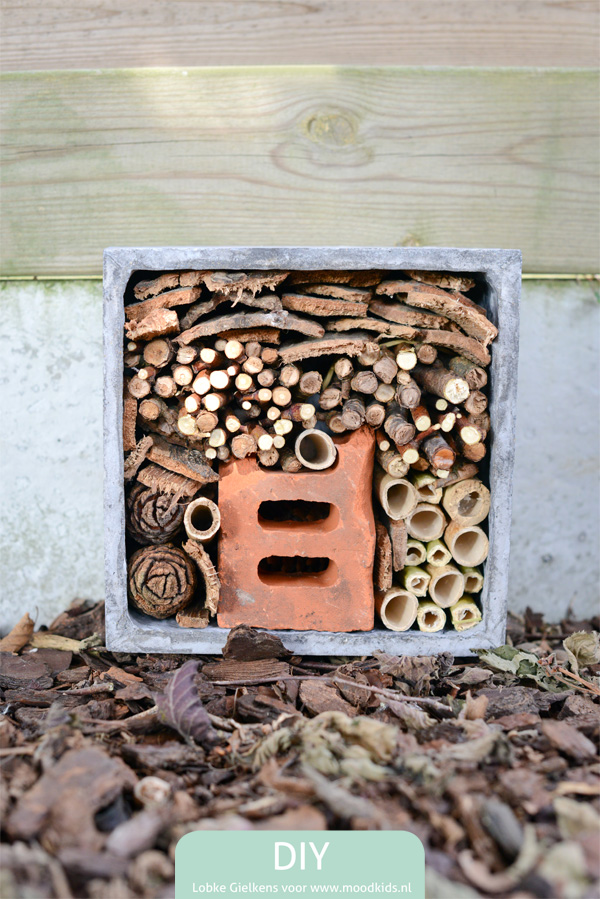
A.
pixel 129 631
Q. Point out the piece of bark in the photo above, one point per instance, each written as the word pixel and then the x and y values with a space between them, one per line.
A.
pixel 19 636
pixel 453 305
pixel 350 345
pixel 193 615
pixel 322 306
pixel 136 458
pixel 453 341
pixel 167 281
pixel 161 580
pixel 443 279
pixel 397 312
pixel 352 279
pixel 188 462
pixel 152 518
pixel 242 320
pixel 246 644
pixel 161 481
pixel 341 292
pixel 262 335
pixel 317 698
pixel 182 296
pixel 129 422
pixel 60 807
pixel 159 323
pixel 398 539
pixel 252 672
pixel 208 573
pixel 233 284
pixel 568 739
pixel 349 324
pixel 382 573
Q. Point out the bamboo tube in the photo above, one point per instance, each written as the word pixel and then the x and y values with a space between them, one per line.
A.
pixel 397 608
pixel 465 614
pixel 427 490
pixel 416 580
pixel 473 579
pixel 416 553
pixel 202 519
pixel 406 357
pixel 430 617
pixel 397 496
pixel 446 586
pixel 438 554
pixel 467 502
pixel 426 522
pixel 467 543
pixel 392 463
pixel 315 449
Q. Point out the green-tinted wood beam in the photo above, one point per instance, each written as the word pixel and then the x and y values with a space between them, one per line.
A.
pixel 319 155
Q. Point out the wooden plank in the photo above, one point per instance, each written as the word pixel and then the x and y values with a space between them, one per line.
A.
pixel 330 156
pixel 113 33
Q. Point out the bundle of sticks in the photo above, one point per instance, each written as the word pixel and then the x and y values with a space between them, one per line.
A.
pixel 224 365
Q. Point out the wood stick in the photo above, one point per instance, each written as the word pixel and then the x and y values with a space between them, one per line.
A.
pixel 210 452
pixel 244 382
pixel 219 379
pixel 264 441
pixel 282 427
pixel 201 384
pixel 375 415
pixel 186 355
pixel 192 403
pixel 439 453
pixel 278 441
pixel 269 355
pixel 151 408
pixel 443 383
pixel 267 377
pixel 386 367
pixel 215 401
pixel 475 376
pixel 369 354
pixel 206 421
pixel 409 453
pixel 385 393
pixel 211 356
pixel 158 352
pixel 253 365
pixel 335 422
pixel 330 397
pixel 281 396
pixel 299 412
pixel 476 402
pixel 470 431
pixel 421 418
pixel 268 458
pixel 310 383
pixel 460 472
pixel 408 394
pixel 232 423
pixel 426 354
pixel 363 382
pixel 353 414
pixel 406 357
pixel 382 441
pixel 289 375
pixel 273 413
pixel 446 420
pixel 397 427
pixel 392 463
pixel 234 348
pixel 290 462
pixel 243 445
pixel 343 368
pixel 138 387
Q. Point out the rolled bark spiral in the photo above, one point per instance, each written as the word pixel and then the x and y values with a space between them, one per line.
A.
pixel 153 518
pixel 161 580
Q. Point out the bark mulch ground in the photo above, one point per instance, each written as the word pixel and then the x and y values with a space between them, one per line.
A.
pixel 107 759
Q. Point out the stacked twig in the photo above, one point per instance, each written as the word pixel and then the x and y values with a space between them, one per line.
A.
pixel 207 383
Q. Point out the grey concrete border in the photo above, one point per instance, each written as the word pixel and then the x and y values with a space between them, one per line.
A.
pixel 127 631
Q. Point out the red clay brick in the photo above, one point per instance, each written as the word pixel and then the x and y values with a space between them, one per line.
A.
pixel 337 599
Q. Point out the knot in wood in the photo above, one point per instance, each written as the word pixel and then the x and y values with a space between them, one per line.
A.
pixel 333 129
pixel 153 517
pixel 162 580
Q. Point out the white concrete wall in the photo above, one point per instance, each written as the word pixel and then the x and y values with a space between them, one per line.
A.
pixel 51 449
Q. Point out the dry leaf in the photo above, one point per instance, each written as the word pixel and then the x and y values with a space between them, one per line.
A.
pixel 583 649
pixel 181 708
pixel 19 636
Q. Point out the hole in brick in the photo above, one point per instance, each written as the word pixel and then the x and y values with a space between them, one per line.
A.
pixel 291 566
pixel 293 510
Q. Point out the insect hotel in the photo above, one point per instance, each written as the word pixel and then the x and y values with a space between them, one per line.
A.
pixel 317 442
